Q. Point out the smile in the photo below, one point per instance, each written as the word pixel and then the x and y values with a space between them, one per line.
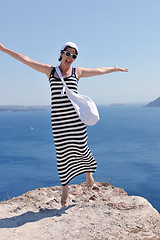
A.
pixel 68 61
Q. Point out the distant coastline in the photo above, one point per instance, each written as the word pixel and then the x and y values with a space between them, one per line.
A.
pixel 22 108
pixel 117 104
pixel 154 103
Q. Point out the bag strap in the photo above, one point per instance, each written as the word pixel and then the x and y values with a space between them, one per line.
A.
pixel 60 76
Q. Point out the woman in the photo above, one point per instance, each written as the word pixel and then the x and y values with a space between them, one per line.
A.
pixel 70 134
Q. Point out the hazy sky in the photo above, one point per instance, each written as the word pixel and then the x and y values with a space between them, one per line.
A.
pixel 108 33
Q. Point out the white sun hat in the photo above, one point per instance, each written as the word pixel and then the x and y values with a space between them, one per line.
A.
pixel 71 44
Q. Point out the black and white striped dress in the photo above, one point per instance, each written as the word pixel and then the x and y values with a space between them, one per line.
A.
pixel 69 132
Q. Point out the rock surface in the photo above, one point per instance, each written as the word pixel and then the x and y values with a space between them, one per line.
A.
pixel 104 213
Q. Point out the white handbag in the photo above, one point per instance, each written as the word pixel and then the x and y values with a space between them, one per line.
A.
pixel 84 106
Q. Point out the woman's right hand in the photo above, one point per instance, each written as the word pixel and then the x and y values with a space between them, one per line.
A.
pixel 40 67
pixel 2 47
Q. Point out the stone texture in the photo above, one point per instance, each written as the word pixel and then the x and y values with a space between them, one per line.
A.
pixel 105 212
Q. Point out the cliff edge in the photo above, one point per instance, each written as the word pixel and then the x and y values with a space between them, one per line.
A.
pixel 104 213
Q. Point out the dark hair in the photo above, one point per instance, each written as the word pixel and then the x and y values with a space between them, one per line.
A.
pixel 60 58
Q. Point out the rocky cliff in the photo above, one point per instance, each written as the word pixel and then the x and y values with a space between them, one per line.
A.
pixel 105 212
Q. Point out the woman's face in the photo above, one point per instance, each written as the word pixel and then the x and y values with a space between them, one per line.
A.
pixel 68 60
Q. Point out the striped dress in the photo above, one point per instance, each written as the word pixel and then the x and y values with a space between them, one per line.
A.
pixel 69 132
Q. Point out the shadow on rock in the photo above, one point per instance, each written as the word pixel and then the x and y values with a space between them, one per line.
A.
pixel 30 216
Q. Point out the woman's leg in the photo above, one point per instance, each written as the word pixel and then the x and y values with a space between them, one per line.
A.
pixel 64 196
pixel 89 180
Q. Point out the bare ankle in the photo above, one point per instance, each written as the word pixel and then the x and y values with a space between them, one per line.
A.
pixel 64 188
pixel 64 196
pixel 88 174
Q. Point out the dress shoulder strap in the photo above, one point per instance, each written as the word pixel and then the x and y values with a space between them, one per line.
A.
pixel 52 73
pixel 73 72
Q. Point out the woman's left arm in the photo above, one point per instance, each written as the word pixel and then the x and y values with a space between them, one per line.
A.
pixel 89 72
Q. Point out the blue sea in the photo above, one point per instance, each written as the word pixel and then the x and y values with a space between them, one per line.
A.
pixel 125 144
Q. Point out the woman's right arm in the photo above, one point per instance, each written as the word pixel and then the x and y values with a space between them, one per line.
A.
pixel 40 67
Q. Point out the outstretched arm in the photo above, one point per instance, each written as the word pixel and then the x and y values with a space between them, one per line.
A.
pixel 41 67
pixel 89 72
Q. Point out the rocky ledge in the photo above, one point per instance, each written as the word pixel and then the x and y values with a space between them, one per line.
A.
pixel 104 213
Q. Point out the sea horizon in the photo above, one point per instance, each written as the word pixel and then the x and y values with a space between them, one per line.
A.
pixel 125 143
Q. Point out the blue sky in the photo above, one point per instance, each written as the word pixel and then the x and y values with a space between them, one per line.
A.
pixel 108 33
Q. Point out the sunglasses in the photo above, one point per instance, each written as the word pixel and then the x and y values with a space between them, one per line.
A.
pixel 68 54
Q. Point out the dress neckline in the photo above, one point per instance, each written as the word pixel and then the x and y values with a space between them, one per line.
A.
pixel 63 78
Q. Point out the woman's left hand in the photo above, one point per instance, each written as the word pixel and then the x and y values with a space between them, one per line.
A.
pixel 122 69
